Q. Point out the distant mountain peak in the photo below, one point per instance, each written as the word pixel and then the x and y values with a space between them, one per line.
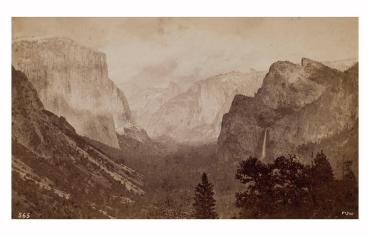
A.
pixel 343 64
pixel 195 115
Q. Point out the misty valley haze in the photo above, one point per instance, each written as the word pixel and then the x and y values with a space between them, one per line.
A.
pixel 276 142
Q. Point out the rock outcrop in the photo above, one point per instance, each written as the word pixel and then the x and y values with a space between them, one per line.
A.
pixel 55 169
pixel 194 116
pixel 72 80
pixel 297 106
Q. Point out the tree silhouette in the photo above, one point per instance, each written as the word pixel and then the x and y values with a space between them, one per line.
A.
pixel 324 190
pixel 274 190
pixel 349 188
pixel 348 175
pixel 287 188
pixel 204 202
pixel 256 200
pixel 322 173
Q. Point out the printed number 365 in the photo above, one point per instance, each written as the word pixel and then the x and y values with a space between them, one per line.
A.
pixel 24 215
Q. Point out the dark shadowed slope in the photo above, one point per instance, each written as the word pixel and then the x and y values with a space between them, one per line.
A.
pixel 55 172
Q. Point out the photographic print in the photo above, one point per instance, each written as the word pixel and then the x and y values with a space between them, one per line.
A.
pixel 184 118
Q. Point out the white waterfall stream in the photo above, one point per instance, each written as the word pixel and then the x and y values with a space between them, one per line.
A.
pixel 263 154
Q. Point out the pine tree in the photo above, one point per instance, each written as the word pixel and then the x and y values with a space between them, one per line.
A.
pixel 348 175
pixel 204 202
pixel 274 190
pixel 322 173
pixel 349 188
pixel 323 188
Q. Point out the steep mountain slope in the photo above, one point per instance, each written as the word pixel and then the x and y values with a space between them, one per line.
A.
pixel 72 81
pixel 55 172
pixel 296 105
pixel 194 116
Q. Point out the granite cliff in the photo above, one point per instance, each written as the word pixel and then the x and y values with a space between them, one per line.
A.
pixel 72 80
pixel 299 108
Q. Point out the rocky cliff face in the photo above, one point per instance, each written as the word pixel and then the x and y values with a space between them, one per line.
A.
pixel 55 170
pixel 194 116
pixel 72 81
pixel 297 105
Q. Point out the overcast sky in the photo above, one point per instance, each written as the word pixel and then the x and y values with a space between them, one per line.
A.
pixel 157 50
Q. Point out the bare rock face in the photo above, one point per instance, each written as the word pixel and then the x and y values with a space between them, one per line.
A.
pixel 297 106
pixel 194 116
pixel 72 81
pixel 54 166
pixel 286 86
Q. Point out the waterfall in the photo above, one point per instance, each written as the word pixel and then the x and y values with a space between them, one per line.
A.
pixel 263 154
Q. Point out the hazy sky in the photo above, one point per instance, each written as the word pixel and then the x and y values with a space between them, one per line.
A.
pixel 156 50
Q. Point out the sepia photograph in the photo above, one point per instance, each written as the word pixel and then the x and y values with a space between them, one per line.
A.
pixel 184 118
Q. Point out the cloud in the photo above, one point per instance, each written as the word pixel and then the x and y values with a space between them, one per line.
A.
pixel 161 49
